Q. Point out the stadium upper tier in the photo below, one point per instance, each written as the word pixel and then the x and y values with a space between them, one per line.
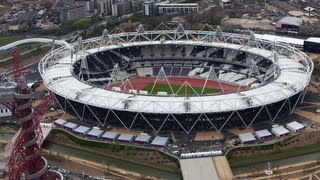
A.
pixel 278 70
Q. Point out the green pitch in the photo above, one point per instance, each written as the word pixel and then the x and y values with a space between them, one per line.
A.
pixel 183 91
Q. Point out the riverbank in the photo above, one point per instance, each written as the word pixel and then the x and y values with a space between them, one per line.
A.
pixel 284 172
pixel 108 162
pixel 303 143
pixel 94 169
pixel 139 155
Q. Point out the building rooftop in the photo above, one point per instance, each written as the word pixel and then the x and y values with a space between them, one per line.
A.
pixel 70 125
pixel 60 122
pixel 143 138
pixel 295 126
pixel 263 133
pixel 246 137
pixel 125 137
pixel 82 129
pixel 160 141
pixel 109 135
pixel 95 132
pixel 291 21
pixel 279 130
pixel 313 39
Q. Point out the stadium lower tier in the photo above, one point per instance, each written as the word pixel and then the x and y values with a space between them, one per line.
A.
pixel 187 122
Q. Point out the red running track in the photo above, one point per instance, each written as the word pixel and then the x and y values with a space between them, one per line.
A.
pixel 140 83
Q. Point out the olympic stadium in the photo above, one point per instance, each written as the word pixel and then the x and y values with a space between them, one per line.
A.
pixel 176 79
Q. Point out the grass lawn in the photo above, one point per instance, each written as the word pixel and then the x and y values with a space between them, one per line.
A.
pixel 9 39
pixel 184 90
pixel 24 55
pixel 275 155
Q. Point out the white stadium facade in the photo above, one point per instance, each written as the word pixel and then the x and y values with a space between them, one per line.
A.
pixel 266 79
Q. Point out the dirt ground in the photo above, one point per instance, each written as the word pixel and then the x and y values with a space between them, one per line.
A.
pixel 125 131
pixel 206 136
pixel 308 115
pixel 249 23
pixel 241 131
pixel 66 116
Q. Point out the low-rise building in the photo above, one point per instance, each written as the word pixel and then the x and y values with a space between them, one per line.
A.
pixel 73 11
pixel 289 25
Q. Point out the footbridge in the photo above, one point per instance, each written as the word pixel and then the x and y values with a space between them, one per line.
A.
pixel 206 168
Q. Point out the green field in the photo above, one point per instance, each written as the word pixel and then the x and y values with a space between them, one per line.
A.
pixel 9 39
pixel 183 91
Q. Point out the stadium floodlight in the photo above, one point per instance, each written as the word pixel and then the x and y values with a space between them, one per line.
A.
pixel 79 44
pixel 179 32
pixel 140 29
pixel 219 33
pixel 161 77
pixel 212 75
pixel 115 71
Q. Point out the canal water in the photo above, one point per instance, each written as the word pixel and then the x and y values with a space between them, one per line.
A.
pixel 145 170
pixel 275 163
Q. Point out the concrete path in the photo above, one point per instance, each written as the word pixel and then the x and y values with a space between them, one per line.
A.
pixel 198 168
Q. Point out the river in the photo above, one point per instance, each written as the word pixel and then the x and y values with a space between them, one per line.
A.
pixel 275 163
pixel 145 170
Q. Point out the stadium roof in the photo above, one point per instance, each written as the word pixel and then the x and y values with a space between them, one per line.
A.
pixel 110 135
pixel 125 137
pixel 292 74
pixel 95 132
pixel 294 126
pixel 279 131
pixel 70 125
pixel 246 137
pixel 160 141
pixel 82 129
pixel 143 138
pixel 263 133
pixel 60 122
pixel 291 21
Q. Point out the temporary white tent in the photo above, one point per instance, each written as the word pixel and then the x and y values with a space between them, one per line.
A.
pixel 279 131
pixel 246 137
pixel 295 126
pixel 263 134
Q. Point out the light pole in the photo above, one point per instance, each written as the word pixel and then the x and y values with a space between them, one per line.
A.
pixel 268 172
